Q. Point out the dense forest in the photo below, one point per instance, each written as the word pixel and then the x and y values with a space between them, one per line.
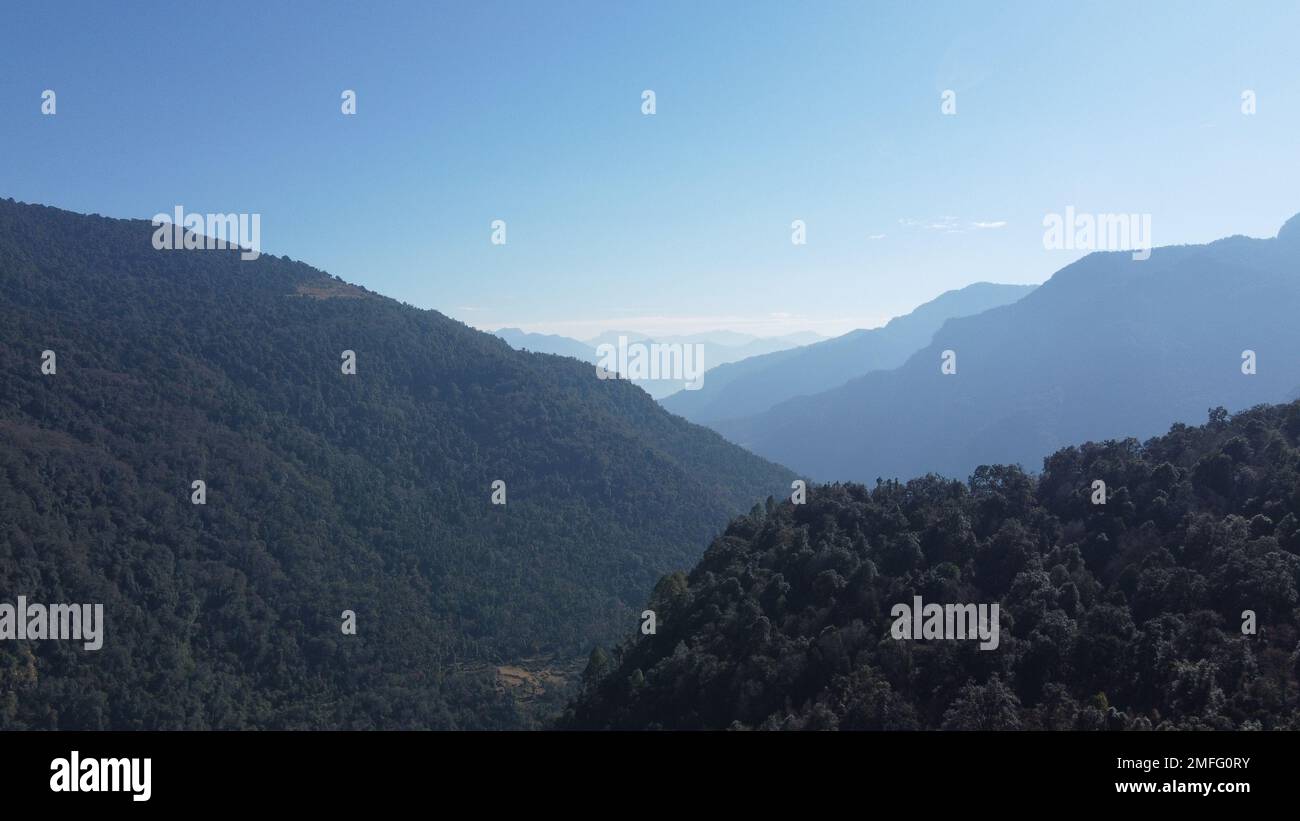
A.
pixel 1126 614
pixel 325 492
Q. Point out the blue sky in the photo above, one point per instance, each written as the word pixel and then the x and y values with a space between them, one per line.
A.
pixel 680 221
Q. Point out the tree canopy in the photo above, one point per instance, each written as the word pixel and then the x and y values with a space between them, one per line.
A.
pixel 1125 615
pixel 325 492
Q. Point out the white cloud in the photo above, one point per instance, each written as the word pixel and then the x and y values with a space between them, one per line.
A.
pixel 949 225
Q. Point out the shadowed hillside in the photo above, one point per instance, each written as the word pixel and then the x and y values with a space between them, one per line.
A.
pixel 325 492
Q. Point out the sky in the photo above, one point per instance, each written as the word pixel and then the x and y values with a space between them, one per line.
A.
pixel 678 221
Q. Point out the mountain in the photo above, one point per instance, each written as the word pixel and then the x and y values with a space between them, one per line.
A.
pixel 1170 606
pixel 803 338
pixel 753 385
pixel 718 347
pixel 325 492
pixel 547 343
pixel 1109 346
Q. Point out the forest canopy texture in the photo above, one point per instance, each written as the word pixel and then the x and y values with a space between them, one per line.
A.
pixel 326 492
pixel 1123 615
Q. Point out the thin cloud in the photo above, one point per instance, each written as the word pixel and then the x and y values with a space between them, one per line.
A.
pixel 949 225
pixel 940 224
pixel 775 323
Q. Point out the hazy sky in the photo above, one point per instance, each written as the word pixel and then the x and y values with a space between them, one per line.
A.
pixel 681 221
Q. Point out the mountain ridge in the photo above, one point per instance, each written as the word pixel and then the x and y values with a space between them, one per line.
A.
pixel 325 491
pixel 1107 345
pixel 1170 604
pixel 754 385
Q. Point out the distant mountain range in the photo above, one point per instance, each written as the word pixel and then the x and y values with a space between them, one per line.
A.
pixel 547 343
pixel 1109 346
pixel 753 385
pixel 720 348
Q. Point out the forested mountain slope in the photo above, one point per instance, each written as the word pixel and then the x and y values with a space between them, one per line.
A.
pixel 1127 614
pixel 325 492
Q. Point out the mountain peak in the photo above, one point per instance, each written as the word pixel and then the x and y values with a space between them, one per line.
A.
pixel 1290 230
